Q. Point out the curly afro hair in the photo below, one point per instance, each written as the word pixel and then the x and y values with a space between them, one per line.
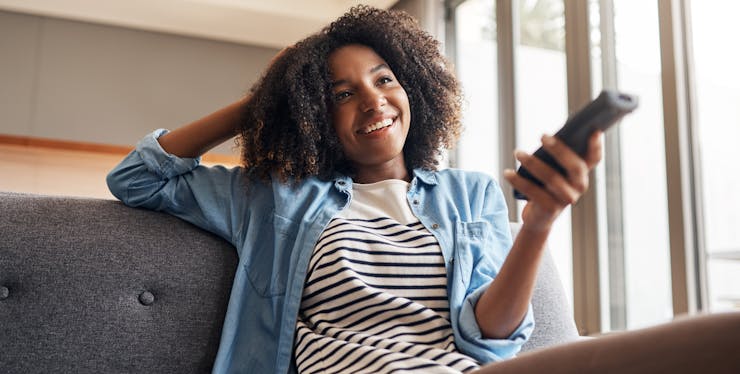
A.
pixel 287 132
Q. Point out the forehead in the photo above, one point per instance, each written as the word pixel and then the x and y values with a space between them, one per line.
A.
pixel 353 59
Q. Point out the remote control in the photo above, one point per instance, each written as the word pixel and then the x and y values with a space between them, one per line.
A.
pixel 600 114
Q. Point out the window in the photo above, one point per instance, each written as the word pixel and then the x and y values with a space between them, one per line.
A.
pixel 541 93
pixel 541 101
pixel 638 257
pixel 718 124
pixel 640 292
pixel 476 66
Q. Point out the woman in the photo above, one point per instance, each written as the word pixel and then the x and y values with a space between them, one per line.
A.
pixel 356 254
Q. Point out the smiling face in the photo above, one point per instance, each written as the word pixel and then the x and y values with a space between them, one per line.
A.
pixel 371 113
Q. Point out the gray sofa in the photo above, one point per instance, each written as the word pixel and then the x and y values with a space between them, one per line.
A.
pixel 93 286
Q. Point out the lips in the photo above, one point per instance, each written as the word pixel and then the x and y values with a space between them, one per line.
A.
pixel 376 126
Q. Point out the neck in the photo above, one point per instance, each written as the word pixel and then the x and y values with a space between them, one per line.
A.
pixel 366 174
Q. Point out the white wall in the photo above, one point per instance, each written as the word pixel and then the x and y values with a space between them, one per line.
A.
pixel 86 82
pixel 78 81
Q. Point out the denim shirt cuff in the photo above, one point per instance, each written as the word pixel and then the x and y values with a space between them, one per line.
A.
pixel 158 161
pixel 498 348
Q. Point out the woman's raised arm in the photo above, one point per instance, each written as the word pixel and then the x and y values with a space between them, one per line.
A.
pixel 196 138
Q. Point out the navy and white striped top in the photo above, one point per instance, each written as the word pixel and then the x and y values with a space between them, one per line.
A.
pixel 375 298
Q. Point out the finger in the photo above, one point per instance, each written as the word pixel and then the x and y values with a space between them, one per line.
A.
pixel 553 181
pixel 575 166
pixel 533 192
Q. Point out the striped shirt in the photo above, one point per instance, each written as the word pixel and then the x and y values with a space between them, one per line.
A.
pixel 375 298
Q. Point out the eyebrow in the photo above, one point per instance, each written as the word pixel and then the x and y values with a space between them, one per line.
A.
pixel 373 70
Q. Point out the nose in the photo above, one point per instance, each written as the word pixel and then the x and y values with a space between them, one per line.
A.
pixel 373 99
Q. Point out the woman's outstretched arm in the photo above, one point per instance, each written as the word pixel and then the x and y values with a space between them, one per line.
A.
pixel 504 304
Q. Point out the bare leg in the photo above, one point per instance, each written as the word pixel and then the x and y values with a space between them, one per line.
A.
pixel 698 344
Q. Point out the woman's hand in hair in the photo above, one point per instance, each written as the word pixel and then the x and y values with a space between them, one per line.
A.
pixel 196 138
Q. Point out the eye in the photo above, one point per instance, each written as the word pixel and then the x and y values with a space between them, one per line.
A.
pixel 342 95
pixel 385 79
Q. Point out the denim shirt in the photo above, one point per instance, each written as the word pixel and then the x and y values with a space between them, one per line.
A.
pixel 275 226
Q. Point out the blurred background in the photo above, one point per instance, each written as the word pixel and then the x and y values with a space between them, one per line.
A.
pixel 82 80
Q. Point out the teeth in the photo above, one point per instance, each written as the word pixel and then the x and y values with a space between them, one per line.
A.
pixel 378 125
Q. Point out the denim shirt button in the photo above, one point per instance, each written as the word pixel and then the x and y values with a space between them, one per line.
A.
pixel 435 226
pixel 416 202
pixel 4 292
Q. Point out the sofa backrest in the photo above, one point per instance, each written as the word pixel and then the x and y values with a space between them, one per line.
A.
pixel 93 286
pixel 97 287
pixel 553 315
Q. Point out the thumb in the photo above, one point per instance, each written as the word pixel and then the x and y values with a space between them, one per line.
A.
pixel 595 149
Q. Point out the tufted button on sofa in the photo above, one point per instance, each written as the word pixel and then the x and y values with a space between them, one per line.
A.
pixel 93 286
pixel 146 298
pixel 4 293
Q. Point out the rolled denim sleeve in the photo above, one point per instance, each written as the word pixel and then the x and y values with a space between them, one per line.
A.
pixel 492 349
pixel 160 162
pixel 151 178
pixel 488 260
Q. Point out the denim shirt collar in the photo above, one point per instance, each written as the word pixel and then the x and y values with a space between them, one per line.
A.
pixel 426 176
pixel 342 183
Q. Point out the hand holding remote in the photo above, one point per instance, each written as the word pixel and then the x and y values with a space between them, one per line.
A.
pixel 600 114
